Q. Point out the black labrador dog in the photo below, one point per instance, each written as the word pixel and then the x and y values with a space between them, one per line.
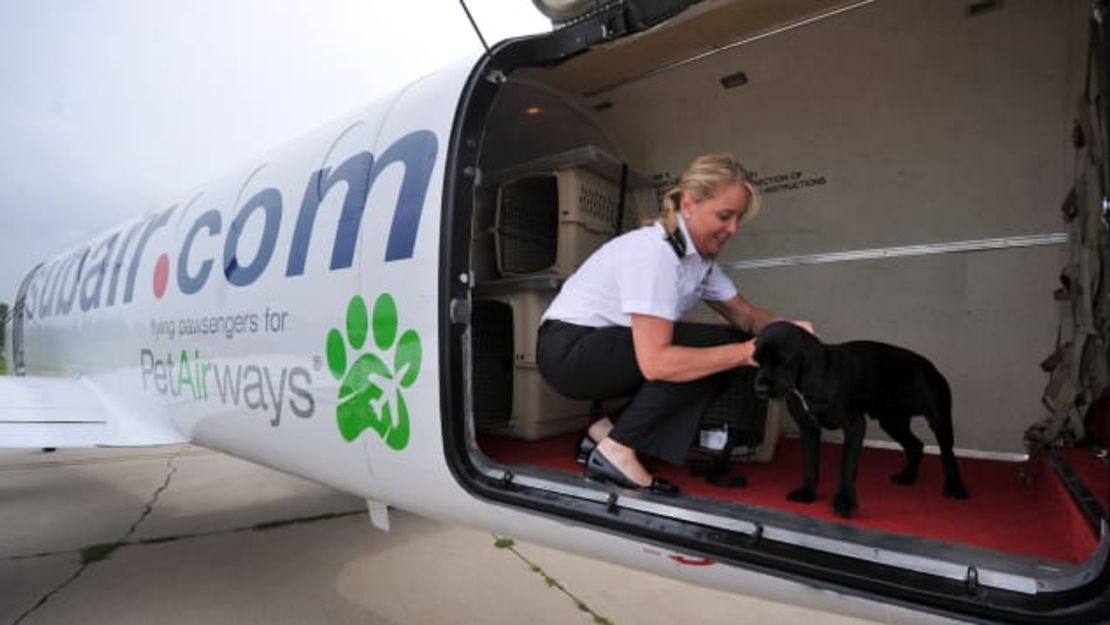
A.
pixel 834 386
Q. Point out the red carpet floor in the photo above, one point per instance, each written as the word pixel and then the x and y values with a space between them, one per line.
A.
pixel 1038 519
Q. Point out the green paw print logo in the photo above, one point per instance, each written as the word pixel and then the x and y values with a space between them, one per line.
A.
pixel 371 391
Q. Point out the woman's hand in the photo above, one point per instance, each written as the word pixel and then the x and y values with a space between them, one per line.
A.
pixel 660 359
pixel 805 325
pixel 748 359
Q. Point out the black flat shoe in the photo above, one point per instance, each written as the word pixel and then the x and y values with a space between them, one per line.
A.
pixel 585 448
pixel 599 468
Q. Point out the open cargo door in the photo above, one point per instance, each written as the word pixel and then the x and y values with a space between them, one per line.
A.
pixel 912 156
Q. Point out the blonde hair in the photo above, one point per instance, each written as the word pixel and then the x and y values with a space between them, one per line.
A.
pixel 705 176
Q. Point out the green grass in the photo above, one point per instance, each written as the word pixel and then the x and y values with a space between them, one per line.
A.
pixel 96 553
pixel 501 542
pixel 269 525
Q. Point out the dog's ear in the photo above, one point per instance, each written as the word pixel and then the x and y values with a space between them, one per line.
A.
pixel 776 341
pixel 777 352
pixel 813 373
pixel 768 347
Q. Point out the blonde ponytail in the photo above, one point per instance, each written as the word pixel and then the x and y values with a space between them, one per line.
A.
pixel 668 212
pixel 701 180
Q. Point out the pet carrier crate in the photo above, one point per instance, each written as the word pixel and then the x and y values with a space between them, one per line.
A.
pixel 735 420
pixel 527 298
pixel 491 335
pixel 553 221
pixel 510 395
pixel 552 213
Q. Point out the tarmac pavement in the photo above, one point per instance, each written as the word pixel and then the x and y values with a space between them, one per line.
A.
pixel 176 535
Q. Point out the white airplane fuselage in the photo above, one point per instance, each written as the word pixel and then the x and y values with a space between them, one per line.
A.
pixel 209 320
pixel 307 312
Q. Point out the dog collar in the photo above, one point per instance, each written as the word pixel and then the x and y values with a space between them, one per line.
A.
pixel 805 404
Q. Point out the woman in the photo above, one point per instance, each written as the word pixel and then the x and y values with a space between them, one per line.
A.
pixel 611 331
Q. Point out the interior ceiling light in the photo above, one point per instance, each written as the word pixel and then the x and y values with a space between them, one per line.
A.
pixel 533 110
pixel 982 6
pixel 737 79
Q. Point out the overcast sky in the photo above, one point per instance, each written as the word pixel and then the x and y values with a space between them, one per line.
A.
pixel 109 108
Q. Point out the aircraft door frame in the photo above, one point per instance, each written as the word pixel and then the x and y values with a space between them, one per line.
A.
pixel 19 316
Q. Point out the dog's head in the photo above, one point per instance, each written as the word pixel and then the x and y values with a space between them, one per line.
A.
pixel 789 358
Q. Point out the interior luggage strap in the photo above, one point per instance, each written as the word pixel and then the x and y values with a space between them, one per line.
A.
pixel 1078 375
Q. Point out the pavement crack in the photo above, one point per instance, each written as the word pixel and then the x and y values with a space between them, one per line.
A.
pixel 49 595
pixel 510 545
pixel 96 553
pixel 149 507
pixel 92 550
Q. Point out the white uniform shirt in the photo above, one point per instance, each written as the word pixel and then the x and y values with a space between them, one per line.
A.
pixel 639 272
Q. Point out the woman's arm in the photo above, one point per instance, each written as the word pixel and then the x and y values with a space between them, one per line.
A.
pixel 748 317
pixel 742 314
pixel 660 359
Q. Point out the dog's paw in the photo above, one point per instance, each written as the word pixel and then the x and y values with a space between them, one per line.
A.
pixel 802 495
pixel 844 504
pixel 904 478
pixel 955 490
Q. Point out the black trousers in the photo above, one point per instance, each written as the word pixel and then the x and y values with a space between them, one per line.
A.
pixel 600 363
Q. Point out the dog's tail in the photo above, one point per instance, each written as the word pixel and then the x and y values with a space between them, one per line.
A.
pixel 943 429
pixel 940 410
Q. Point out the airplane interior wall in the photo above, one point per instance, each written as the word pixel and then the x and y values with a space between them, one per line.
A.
pixel 897 124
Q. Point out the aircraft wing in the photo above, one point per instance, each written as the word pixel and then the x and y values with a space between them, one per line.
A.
pixel 40 412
